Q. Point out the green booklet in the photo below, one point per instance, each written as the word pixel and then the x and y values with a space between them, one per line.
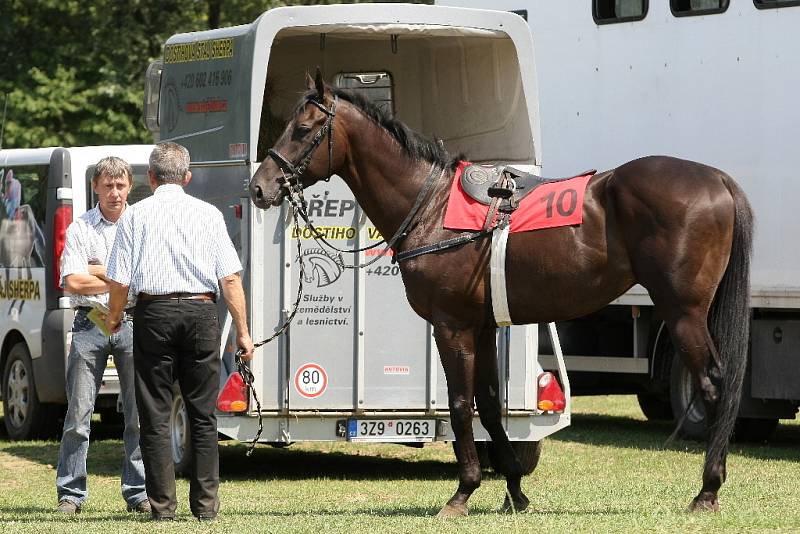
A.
pixel 98 317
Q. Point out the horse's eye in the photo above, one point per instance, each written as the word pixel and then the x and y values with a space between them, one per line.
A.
pixel 300 131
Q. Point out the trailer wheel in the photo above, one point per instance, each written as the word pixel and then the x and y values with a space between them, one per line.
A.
pixel 692 418
pixel 528 453
pixel 25 417
pixel 754 430
pixel 654 407
pixel 181 442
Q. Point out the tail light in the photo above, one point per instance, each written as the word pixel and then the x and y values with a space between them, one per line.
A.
pixel 233 397
pixel 61 220
pixel 551 397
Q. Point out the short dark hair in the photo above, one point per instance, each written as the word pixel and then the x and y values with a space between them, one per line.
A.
pixel 113 167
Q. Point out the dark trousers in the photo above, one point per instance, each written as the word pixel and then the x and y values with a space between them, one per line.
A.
pixel 178 339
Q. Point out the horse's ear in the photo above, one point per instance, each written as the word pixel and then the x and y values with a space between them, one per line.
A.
pixel 320 85
pixel 309 81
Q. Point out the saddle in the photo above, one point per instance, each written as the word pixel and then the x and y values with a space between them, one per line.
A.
pixel 487 184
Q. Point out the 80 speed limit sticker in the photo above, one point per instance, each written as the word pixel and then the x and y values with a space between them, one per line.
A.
pixel 310 380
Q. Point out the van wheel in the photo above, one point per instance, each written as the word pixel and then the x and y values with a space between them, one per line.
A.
pixel 181 442
pixel 25 417
pixel 654 407
pixel 686 406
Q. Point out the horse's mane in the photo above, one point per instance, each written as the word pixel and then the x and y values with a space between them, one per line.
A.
pixel 413 143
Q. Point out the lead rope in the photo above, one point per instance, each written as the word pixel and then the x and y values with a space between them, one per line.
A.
pixel 242 367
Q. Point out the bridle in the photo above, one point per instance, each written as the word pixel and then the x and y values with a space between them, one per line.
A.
pixel 293 171
pixel 292 182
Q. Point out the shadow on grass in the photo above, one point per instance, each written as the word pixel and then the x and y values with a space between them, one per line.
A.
pixel 624 432
pixel 268 463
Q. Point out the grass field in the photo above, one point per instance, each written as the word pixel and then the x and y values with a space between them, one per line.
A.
pixel 609 472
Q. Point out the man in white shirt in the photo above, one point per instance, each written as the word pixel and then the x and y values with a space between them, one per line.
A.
pixel 173 251
pixel 83 274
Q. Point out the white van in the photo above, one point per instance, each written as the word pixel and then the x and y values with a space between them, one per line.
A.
pixel 43 190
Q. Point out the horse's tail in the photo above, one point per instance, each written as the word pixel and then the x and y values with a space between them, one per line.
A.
pixel 729 323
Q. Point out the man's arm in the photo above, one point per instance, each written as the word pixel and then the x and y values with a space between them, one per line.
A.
pixel 117 298
pixel 79 277
pixel 234 298
pixel 85 284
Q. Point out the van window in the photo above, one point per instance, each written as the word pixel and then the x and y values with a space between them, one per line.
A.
pixel 683 8
pixel 611 11
pixel 762 4
pixel 141 186
pixel 22 216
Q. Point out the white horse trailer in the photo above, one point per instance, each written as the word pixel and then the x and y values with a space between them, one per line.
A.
pixel 707 80
pixel 356 364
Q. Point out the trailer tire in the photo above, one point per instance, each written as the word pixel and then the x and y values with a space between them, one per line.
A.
pixel 528 453
pixel 24 416
pixel 654 407
pixel 180 442
pixel 692 419
pixel 754 430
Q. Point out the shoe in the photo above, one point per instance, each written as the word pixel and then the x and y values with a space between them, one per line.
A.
pixel 68 507
pixel 142 507
pixel 154 517
pixel 206 518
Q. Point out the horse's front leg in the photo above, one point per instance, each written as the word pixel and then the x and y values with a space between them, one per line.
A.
pixel 487 390
pixel 457 352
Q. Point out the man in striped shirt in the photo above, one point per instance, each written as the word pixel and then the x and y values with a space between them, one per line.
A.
pixel 173 251
pixel 83 274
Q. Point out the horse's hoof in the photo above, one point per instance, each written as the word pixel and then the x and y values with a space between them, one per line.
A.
pixel 453 510
pixel 519 504
pixel 703 505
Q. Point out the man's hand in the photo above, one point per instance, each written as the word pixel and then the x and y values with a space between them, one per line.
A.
pixel 113 324
pixel 99 271
pixel 244 342
pixel 117 298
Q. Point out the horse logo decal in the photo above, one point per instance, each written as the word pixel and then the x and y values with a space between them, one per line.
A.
pixel 321 267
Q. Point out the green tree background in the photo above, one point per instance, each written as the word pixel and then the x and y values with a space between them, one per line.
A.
pixel 72 71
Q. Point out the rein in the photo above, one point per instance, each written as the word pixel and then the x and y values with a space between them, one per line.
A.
pixel 242 367
pixel 402 231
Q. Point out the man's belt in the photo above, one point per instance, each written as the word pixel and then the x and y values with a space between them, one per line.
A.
pixel 179 296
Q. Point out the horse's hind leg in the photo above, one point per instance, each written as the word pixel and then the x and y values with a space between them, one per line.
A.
pixel 693 344
pixel 457 353
pixel 505 460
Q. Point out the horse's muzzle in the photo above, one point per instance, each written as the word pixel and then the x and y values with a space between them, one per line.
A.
pixel 261 200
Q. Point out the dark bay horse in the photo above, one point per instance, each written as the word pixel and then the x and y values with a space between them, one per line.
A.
pixel 680 229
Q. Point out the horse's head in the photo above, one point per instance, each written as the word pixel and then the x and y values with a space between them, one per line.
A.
pixel 304 153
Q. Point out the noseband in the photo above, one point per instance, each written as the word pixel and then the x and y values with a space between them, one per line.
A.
pixel 293 171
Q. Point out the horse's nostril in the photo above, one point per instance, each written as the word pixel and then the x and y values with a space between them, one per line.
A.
pixel 259 193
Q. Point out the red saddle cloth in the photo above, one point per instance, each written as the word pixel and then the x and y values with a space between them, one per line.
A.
pixel 548 206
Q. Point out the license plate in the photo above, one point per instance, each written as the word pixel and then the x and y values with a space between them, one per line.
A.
pixel 391 430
